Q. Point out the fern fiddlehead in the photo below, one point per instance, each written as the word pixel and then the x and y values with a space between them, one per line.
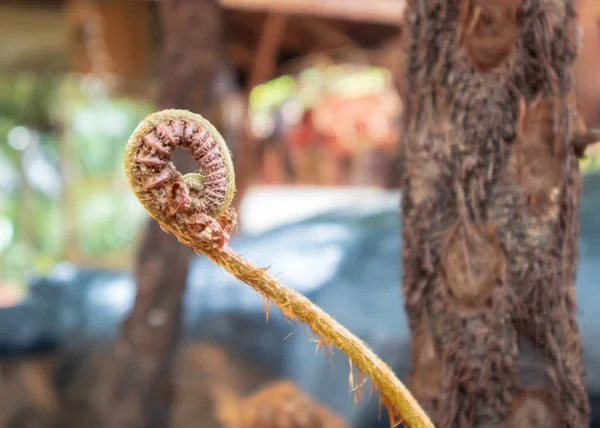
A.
pixel 195 208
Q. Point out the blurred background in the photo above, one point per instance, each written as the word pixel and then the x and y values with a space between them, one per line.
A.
pixel 307 95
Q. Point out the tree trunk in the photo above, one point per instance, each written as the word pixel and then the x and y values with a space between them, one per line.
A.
pixel 490 213
pixel 140 387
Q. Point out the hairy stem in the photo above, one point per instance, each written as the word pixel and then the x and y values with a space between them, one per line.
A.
pixel 401 405
pixel 397 398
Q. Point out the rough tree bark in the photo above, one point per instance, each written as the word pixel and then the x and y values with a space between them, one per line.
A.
pixel 490 213
pixel 139 390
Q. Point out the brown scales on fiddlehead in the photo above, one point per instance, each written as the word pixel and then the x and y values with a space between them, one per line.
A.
pixel 195 208
pixel 196 203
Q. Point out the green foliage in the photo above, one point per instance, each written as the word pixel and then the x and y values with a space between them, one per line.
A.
pixel 63 193
pixel 272 94
pixel 590 163
pixel 26 99
pixel 345 79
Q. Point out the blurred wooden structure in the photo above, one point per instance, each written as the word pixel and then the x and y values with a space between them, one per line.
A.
pixel 377 11
pixel 32 38
pixel 115 32
pixel 51 34
pixel 130 31
pixel 118 40
pixel 263 39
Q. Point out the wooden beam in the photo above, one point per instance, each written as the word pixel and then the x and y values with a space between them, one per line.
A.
pixel 376 11
pixel 389 12
pixel 389 55
pixel 239 55
pixel 248 27
pixel 326 35
pixel 263 68
pixel 32 39
pixel 268 46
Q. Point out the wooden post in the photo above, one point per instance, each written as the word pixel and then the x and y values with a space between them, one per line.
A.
pixel 138 389
pixel 263 67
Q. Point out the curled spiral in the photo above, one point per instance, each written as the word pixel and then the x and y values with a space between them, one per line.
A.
pixel 195 208
pixel 194 204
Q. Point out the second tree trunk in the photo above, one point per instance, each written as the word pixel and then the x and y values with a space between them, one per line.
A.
pixel 490 213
